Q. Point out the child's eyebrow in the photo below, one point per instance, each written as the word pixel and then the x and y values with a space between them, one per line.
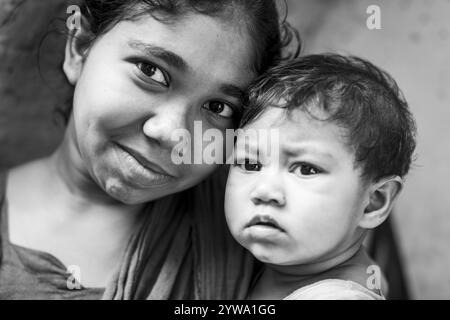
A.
pixel 292 151
pixel 167 56
pixel 233 91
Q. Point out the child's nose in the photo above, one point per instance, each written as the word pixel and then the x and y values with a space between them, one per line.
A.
pixel 269 191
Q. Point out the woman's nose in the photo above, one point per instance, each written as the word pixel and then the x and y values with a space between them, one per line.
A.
pixel 269 190
pixel 164 121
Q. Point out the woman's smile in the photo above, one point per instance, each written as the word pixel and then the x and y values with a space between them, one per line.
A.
pixel 113 203
pixel 141 97
pixel 140 171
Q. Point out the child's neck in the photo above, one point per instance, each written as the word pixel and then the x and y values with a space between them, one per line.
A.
pixel 278 281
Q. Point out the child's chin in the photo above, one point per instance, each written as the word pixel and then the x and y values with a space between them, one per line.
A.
pixel 265 255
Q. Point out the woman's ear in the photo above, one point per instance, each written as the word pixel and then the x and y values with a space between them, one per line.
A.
pixel 382 196
pixel 77 46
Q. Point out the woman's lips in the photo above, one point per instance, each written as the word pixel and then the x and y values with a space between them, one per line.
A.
pixel 144 161
pixel 140 171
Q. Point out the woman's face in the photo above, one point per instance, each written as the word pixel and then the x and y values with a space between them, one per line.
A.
pixel 142 80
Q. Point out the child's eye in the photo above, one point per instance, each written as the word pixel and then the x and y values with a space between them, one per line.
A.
pixel 250 165
pixel 153 72
pixel 305 169
pixel 220 108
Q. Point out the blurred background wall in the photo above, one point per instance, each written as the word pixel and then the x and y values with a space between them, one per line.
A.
pixel 413 45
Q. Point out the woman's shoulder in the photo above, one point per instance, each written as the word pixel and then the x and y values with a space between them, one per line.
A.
pixel 334 289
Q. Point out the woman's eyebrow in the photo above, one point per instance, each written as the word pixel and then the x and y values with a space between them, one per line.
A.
pixel 167 56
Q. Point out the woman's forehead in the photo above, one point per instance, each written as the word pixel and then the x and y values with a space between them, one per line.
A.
pixel 201 42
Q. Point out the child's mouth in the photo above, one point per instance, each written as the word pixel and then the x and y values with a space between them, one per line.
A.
pixel 264 221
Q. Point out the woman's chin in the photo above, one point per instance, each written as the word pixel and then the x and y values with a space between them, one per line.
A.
pixel 124 193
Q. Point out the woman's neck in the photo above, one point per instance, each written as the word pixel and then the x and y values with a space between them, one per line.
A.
pixel 68 215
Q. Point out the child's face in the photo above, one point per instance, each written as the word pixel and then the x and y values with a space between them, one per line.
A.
pixel 303 208
pixel 141 81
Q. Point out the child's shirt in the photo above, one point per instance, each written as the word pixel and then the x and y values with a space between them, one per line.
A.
pixel 352 280
pixel 334 289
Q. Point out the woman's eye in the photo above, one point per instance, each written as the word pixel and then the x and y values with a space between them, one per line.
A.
pixel 220 108
pixel 305 169
pixel 250 165
pixel 153 73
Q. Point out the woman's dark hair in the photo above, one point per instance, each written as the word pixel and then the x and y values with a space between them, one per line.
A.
pixel 269 34
pixel 354 94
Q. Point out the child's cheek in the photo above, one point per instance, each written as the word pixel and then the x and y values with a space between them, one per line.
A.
pixel 235 204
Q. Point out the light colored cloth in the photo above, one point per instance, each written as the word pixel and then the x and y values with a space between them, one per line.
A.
pixel 334 289
pixel 346 281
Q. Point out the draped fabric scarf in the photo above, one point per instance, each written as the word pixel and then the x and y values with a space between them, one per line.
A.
pixel 183 250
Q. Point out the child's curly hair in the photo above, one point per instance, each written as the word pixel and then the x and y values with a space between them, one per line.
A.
pixel 354 94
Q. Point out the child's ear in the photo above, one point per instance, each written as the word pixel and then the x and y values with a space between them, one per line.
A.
pixel 382 196
pixel 77 46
